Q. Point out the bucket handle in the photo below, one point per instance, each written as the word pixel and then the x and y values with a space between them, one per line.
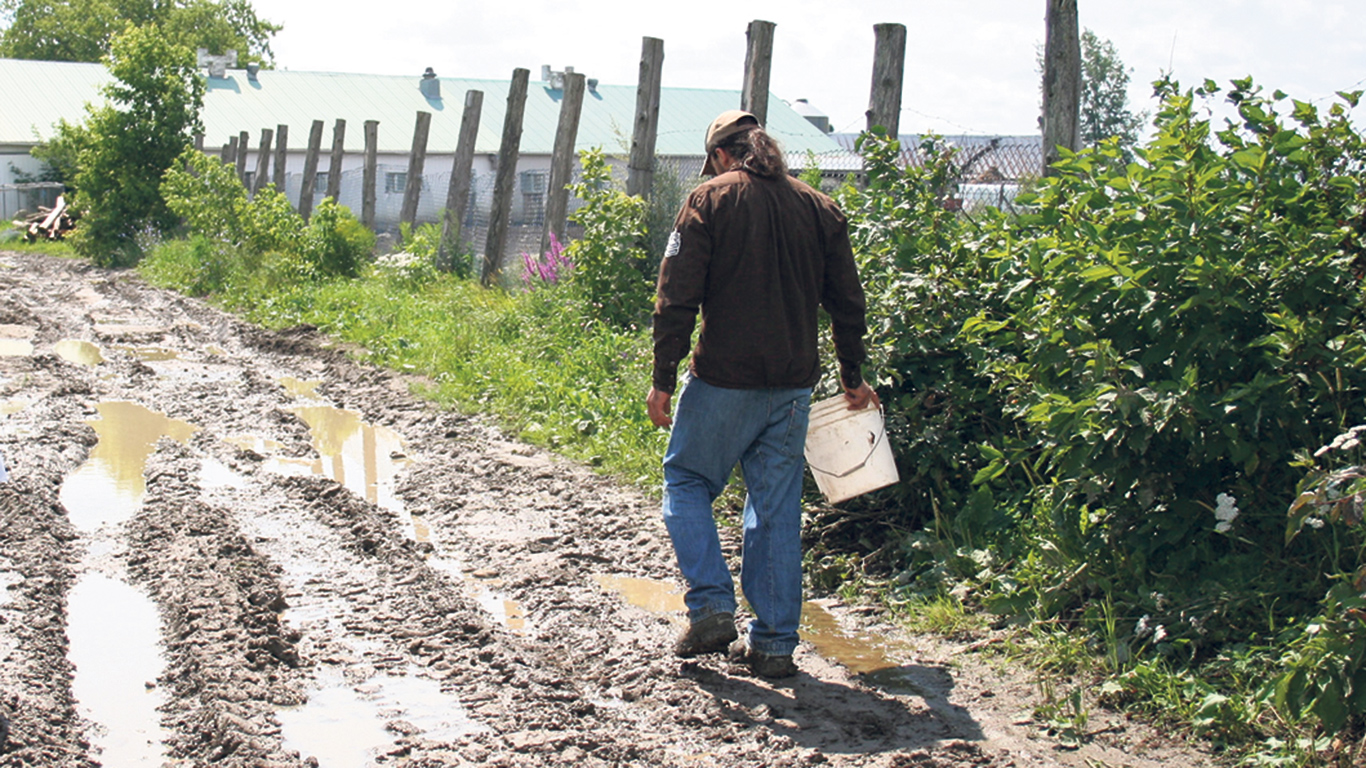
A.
pixel 882 433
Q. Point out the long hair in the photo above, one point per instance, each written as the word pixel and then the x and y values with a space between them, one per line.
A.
pixel 757 152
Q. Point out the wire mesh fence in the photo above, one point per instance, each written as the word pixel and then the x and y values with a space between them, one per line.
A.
pixel 990 172
pixel 18 200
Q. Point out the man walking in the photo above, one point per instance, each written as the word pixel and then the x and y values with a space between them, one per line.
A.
pixel 756 252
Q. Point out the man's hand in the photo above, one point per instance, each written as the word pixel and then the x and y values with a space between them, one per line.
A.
pixel 657 404
pixel 860 398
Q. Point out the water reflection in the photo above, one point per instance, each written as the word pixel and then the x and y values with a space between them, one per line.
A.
pixel 78 352
pixel 344 725
pixel 15 347
pixel 364 458
pixel 871 658
pixel 109 486
pixel 114 633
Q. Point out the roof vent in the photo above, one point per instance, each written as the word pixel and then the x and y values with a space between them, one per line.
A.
pixel 252 68
pixel 555 80
pixel 216 64
pixel 592 84
pixel 430 84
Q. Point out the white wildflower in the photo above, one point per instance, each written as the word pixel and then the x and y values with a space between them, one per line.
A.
pixel 1141 629
pixel 1314 522
pixel 1159 633
pixel 1225 512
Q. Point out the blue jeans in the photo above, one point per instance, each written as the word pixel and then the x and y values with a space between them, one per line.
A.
pixel 764 430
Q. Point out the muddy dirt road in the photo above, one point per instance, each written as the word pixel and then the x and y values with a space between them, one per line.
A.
pixel 223 546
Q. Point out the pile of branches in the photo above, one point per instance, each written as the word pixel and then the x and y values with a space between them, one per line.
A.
pixel 48 223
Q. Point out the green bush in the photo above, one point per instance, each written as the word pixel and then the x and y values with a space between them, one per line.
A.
pixel 609 263
pixel 335 244
pixel 125 147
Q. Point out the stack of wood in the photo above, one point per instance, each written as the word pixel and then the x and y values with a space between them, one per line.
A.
pixel 48 223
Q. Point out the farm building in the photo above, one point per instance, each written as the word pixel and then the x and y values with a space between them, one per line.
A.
pixel 35 95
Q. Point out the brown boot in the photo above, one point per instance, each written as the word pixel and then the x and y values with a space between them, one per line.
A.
pixel 762 664
pixel 710 635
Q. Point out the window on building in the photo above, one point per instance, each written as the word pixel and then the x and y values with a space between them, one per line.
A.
pixel 395 183
pixel 320 182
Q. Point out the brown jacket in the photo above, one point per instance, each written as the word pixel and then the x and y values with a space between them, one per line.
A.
pixel 757 257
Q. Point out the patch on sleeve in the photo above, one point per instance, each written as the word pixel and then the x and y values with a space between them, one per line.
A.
pixel 675 242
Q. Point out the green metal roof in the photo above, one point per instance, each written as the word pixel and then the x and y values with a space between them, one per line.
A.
pixel 34 95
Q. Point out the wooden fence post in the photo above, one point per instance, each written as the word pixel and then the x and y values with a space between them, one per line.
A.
pixel 562 160
pixel 641 167
pixel 508 153
pixel 889 64
pixel 417 160
pixel 758 64
pixel 281 157
pixel 315 145
pixel 367 204
pixel 334 171
pixel 243 140
pixel 199 142
pixel 1061 82
pixel 230 151
pixel 258 183
pixel 458 195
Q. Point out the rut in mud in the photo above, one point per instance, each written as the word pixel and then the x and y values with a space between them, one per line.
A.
pixel 225 546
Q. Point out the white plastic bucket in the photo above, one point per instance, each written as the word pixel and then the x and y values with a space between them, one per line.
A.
pixel 848 450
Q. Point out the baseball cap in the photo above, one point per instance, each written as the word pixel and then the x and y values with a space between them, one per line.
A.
pixel 726 125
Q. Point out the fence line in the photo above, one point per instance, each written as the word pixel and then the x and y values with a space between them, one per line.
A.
pixel 16 199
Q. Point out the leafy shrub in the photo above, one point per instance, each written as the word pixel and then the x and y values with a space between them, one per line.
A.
pixel 609 263
pixel 921 270
pixel 124 148
pixel 335 244
pixel 1175 329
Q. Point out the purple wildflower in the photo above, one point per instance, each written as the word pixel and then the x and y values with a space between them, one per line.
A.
pixel 547 269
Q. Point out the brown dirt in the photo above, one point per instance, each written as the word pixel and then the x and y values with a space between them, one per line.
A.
pixel 272 582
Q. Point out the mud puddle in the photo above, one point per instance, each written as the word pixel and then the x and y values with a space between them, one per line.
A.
pixel 108 488
pixel 346 725
pixel 368 459
pixel 873 660
pixel 115 634
pixel 16 340
pixel 79 352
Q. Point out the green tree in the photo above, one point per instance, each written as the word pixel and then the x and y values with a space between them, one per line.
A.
pixel 1105 94
pixel 126 146
pixel 82 30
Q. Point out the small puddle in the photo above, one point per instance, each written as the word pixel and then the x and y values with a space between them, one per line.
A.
pixel 653 596
pixel 149 354
pixel 256 444
pixel 15 347
pixel 114 637
pixel 301 389
pixel 109 486
pixel 16 340
pixel 14 405
pixel 866 657
pixel 345 725
pixel 78 352
pixel 362 457
pixel 367 459
pixel 215 474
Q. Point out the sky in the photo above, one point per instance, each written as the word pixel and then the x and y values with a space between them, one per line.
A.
pixel 970 64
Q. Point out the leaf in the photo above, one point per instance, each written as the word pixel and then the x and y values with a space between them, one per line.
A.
pixel 1098 272
pixel 1330 707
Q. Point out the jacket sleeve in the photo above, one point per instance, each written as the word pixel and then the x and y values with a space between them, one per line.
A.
pixel 842 297
pixel 679 294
